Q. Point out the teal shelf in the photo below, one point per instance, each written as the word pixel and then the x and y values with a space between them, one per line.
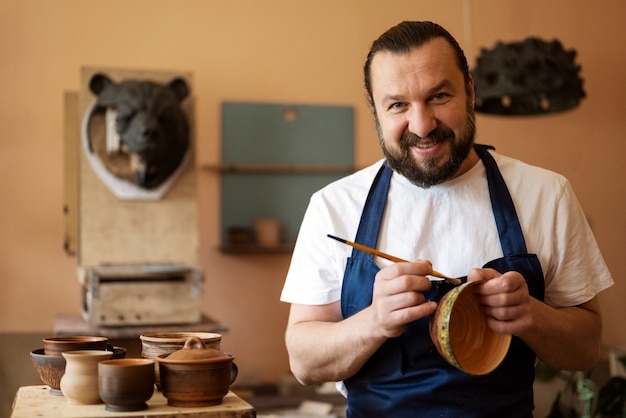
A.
pixel 274 156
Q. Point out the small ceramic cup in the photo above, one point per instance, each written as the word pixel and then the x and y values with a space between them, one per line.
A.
pixel 460 332
pixel 126 384
pixel 268 232
pixel 79 384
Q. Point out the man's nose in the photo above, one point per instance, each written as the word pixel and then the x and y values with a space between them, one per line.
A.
pixel 421 120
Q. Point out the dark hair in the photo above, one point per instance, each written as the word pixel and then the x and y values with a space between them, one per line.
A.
pixel 406 35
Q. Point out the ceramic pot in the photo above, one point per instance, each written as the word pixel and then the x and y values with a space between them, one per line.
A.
pixel 126 384
pixel 268 232
pixel 79 384
pixel 196 376
pixel 155 344
pixel 52 368
pixel 49 368
pixel 54 346
pixel 460 332
pixel 118 352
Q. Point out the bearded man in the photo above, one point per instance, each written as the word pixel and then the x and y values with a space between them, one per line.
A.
pixel 439 199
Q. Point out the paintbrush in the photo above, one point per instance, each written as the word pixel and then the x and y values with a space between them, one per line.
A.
pixel 392 258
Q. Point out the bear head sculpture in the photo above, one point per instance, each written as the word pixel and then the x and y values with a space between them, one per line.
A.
pixel 150 123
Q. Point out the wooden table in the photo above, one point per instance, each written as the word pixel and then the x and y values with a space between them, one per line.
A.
pixel 36 401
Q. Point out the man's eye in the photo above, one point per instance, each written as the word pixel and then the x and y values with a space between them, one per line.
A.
pixel 440 96
pixel 397 106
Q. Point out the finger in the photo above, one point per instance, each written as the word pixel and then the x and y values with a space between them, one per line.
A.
pixel 417 268
pixel 477 274
pixel 507 283
pixel 400 284
pixel 397 319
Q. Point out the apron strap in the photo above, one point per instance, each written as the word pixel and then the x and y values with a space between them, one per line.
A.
pixel 509 229
pixel 372 215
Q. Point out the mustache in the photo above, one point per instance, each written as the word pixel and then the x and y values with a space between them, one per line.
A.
pixel 437 135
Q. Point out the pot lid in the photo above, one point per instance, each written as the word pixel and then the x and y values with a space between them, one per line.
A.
pixel 194 350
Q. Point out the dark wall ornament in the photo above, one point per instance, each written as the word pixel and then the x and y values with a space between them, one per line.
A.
pixel 530 77
pixel 136 135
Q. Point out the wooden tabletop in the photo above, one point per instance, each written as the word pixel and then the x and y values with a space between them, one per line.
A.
pixel 37 401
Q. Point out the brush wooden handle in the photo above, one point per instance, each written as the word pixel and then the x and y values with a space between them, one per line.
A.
pixel 390 257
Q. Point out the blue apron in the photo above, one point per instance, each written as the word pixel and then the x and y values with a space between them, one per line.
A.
pixel 407 377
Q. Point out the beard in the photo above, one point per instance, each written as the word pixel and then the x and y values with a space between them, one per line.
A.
pixel 431 173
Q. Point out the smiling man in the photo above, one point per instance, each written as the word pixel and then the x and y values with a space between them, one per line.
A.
pixel 442 200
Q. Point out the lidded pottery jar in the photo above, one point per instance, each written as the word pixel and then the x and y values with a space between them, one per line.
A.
pixel 79 384
pixel 196 376
pixel 157 343
pixel 461 334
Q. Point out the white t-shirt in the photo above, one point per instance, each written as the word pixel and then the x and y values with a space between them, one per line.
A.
pixel 453 226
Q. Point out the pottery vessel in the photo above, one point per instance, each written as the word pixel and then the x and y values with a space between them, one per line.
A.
pixel 52 368
pixel 196 376
pixel 79 384
pixel 460 332
pixel 54 346
pixel 126 384
pixel 155 344
pixel 268 232
pixel 118 352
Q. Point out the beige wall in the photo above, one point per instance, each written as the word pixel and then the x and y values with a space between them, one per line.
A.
pixel 275 51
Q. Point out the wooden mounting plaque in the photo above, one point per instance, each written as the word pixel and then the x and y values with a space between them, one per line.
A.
pixel 115 231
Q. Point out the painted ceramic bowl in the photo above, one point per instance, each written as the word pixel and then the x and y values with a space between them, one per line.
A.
pixel 460 332
pixel 49 368
pixel 196 376
pixel 126 384
pixel 54 346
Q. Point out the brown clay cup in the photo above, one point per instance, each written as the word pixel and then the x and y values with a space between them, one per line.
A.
pixel 155 344
pixel 460 332
pixel 54 346
pixel 196 376
pixel 126 384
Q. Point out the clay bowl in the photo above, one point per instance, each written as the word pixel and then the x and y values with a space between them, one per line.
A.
pixel 155 344
pixel 118 352
pixel 196 376
pixel 54 346
pixel 460 332
pixel 51 368
pixel 126 384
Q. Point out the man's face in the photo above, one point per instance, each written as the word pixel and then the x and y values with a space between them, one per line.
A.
pixel 424 112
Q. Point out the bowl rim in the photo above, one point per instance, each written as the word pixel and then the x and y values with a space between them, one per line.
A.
pixel 179 336
pixel 128 362
pixel 75 339
pixel 226 357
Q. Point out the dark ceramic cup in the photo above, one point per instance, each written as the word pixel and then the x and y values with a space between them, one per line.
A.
pixel 126 384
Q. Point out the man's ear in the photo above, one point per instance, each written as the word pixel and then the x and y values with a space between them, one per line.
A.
pixel 470 90
pixel 370 102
